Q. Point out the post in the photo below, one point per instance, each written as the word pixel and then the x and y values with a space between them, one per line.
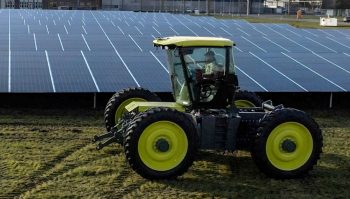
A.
pixel 331 101
pixel 248 7
pixel 95 100
pixel 214 7
pixel 222 7
pixel 199 5
pixel 208 6
pixel 239 7
pixel 160 6
pixel 173 6
pixel 288 7
pixel 183 6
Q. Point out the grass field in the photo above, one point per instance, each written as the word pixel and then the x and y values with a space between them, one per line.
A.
pixel 48 154
pixel 306 22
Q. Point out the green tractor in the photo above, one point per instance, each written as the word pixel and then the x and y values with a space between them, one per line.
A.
pixel 161 139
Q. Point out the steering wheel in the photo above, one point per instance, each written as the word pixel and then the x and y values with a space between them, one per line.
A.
pixel 206 91
pixel 207 88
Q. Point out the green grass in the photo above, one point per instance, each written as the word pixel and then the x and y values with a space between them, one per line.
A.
pixel 48 154
pixel 306 22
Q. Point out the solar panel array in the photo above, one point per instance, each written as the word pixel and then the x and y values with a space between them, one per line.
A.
pixel 104 51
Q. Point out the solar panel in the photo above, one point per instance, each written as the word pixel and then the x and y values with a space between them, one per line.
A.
pixel 29 72
pixel 109 72
pixel 73 42
pixel 70 73
pixel 148 72
pixel 22 43
pixel 104 51
pixel 4 71
pixel 303 77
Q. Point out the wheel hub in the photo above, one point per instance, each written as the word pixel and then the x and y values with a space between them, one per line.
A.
pixel 289 146
pixel 162 145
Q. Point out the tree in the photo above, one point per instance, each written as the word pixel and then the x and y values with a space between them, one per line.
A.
pixel 342 4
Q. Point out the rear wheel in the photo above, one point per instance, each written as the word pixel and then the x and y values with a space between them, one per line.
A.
pixel 247 99
pixel 288 144
pixel 161 143
pixel 115 107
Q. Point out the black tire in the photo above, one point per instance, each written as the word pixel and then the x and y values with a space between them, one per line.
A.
pixel 137 128
pixel 118 98
pixel 268 124
pixel 247 96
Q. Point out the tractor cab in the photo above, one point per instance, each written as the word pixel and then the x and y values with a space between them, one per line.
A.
pixel 201 69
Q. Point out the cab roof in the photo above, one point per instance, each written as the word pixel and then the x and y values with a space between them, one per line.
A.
pixel 185 41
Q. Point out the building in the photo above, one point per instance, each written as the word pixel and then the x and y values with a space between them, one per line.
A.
pixel 328 4
pixel 203 6
pixel 52 4
pixel 72 4
pixel 29 4
pixel 336 4
pixel 337 7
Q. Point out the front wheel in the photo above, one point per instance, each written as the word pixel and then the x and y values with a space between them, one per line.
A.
pixel 161 143
pixel 288 144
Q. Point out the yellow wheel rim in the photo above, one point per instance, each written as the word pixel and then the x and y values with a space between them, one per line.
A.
pixel 289 132
pixel 121 108
pixel 159 160
pixel 244 104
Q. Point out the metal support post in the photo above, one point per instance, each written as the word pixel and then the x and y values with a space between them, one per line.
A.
pixel 331 101
pixel 95 100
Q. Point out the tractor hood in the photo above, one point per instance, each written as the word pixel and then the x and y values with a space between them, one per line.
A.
pixel 186 41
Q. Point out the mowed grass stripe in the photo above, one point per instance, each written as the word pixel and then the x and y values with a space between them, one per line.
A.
pixel 18 166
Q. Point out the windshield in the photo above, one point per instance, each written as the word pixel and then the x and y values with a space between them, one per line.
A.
pixel 178 78
pixel 201 63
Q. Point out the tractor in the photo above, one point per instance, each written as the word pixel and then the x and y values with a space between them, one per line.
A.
pixel 161 139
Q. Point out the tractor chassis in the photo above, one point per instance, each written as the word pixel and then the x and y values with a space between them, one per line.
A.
pixel 219 129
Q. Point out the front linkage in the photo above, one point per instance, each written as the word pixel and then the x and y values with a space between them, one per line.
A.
pixel 116 133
